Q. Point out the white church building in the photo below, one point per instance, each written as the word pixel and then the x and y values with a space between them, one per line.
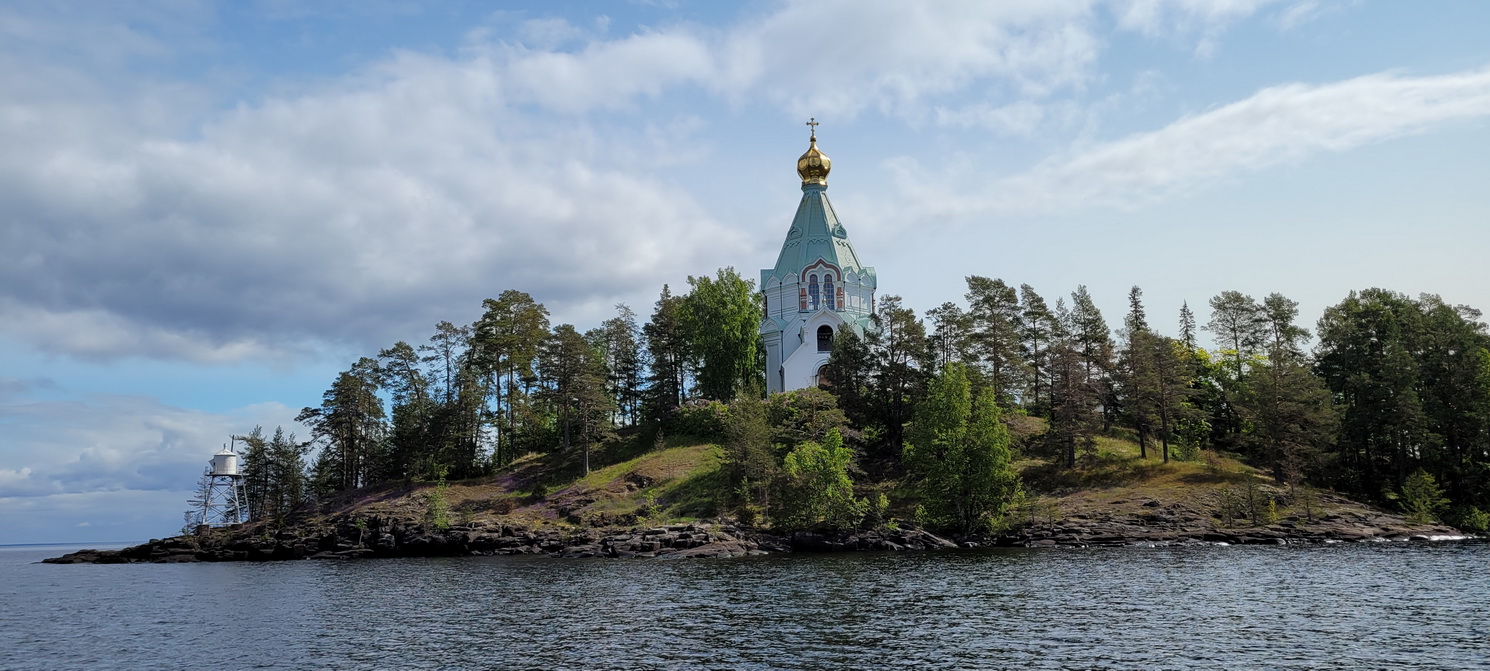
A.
pixel 817 288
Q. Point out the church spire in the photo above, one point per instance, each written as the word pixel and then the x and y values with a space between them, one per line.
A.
pixel 813 166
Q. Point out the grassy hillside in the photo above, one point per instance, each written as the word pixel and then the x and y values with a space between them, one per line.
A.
pixel 677 482
pixel 684 480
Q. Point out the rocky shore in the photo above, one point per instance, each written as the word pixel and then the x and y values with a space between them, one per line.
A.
pixel 1148 523
pixel 387 537
pixel 1155 522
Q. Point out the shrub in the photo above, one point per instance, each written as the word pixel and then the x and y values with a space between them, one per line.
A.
pixel 1472 520
pixel 1422 498
pixel 815 486
pixel 700 418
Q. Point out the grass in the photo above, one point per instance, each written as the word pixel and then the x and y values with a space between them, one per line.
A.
pixel 640 482
pixel 672 483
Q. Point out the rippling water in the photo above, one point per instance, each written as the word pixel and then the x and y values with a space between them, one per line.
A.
pixel 1330 606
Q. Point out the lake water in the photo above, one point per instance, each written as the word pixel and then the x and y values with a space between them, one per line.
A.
pixel 1377 606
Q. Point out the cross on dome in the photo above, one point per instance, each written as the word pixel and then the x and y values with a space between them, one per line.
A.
pixel 813 166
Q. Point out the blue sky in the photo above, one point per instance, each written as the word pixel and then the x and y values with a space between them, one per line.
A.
pixel 211 208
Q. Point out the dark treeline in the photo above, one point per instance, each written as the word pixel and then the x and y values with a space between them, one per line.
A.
pixel 475 397
pixel 1393 396
pixel 1391 403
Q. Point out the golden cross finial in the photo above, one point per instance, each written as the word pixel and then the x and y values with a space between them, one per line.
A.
pixel 812 122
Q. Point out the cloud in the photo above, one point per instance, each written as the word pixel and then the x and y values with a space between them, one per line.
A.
pixel 145 218
pixel 839 58
pixel 1295 16
pixel 13 387
pixel 1200 21
pixel 115 443
pixel 401 198
pixel 1276 125
pixel 1018 118
pixel 117 516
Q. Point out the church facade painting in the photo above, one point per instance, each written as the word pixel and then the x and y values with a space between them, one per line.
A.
pixel 817 288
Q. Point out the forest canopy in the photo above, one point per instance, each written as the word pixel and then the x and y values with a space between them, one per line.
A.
pixel 1385 391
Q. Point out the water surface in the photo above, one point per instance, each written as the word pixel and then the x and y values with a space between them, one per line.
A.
pixel 1379 606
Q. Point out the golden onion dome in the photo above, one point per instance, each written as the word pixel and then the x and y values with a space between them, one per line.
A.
pixel 814 165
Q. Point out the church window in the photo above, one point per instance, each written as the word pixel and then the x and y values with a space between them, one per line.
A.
pixel 824 338
pixel 828 292
pixel 812 291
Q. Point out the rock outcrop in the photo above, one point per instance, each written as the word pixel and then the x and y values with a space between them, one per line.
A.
pixel 387 537
pixel 352 537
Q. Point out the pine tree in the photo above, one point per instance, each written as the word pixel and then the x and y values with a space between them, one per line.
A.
pixel 413 412
pixel 950 333
pixel 1093 341
pixel 902 356
pixel 349 424
pixel 994 319
pixel 1137 382
pixel 1036 333
pixel 620 342
pixel 668 349
pixel 1287 407
pixel 505 343
pixel 574 379
pixel 1074 396
pixel 1187 327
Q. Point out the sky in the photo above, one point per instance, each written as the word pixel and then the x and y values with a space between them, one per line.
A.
pixel 210 209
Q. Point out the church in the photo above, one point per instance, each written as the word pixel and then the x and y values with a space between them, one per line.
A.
pixel 818 287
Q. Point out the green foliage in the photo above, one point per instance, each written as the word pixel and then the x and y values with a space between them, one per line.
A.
pixel 575 376
pixel 721 317
pixel 880 379
pixel 1472 520
pixel 920 516
pixel 648 508
pixel 994 339
pixel 876 511
pixel 959 454
pixel 669 352
pixel 1230 505
pixel 815 487
pixel 1422 498
pixel 349 423
pixel 802 415
pixel 703 419
pixel 749 457
pixel 505 344
pixel 1413 390
pixel 437 505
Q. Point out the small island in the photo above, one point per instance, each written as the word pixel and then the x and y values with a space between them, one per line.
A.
pixel 809 413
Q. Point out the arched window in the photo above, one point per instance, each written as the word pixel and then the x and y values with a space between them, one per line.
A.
pixel 812 291
pixel 824 338
pixel 821 379
pixel 828 291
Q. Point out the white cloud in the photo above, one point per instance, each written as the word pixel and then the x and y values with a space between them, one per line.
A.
pixel 1297 15
pixel 117 516
pixel 404 197
pixel 109 443
pixel 1019 118
pixel 1276 125
pixel 838 58
pixel 367 207
pixel 1201 21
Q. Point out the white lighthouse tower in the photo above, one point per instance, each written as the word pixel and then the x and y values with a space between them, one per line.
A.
pixel 220 500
